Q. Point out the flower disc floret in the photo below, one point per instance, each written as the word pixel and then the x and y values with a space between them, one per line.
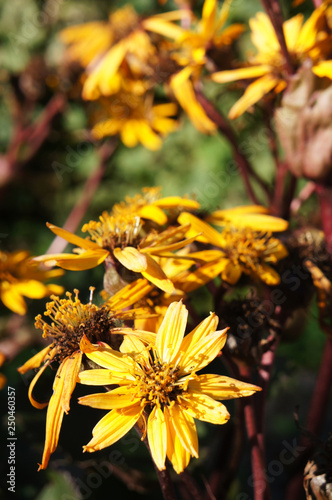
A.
pixel 114 231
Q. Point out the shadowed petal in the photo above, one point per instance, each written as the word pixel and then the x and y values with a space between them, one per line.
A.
pixel 185 429
pixel 157 436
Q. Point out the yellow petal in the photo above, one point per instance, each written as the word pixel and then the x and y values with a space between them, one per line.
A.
pixel 112 427
pixel 33 401
pixel 171 332
pixel 207 326
pixel 240 73
pixel 253 94
pixel 107 357
pixel 12 299
pixel 177 202
pixel 198 226
pixel 112 360
pixel 231 273
pixel 268 275
pixel 156 275
pixel 204 408
pixel 121 397
pixel 292 28
pixel 56 408
pixel 87 260
pixel 209 13
pixel 176 453
pixel 147 136
pixel 72 238
pixel 163 27
pixel 36 360
pixel 131 259
pixel 70 370
pixel 103 73
pixel 100 376
pixel 204 274
pixel 157 436
pixel 220 387
pixel 323 68
pixel 185 429
pixel 184 93
pixel 203 352
pixel 130 294
pixel 154 213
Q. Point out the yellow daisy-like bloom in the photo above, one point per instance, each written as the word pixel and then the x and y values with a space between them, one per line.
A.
pixel 303 40
pixel 121 239
pixel 70 321
pixel 102 47
pixel 20 277
pixel 160 383
pixel 149 205
pixel 136 120
pixel 240 250
pixel 204 35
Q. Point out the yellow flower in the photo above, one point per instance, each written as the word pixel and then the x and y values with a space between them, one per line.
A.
pixel 70 321
pixel 136 120
pixel 240 250
pixel 121 239
pixel 103 47
pixel 254 216
pixel 20 277
pixel 149 205
pixel 205 35
pixel 303 40
pixel 159 383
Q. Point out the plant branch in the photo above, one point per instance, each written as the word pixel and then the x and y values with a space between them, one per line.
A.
pixel 89 189
pixel 164 478
pixel 243 164
pixel 273 10
pixel 318 406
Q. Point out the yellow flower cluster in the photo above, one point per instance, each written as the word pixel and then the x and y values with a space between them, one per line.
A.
pixel 126 59
pixel 155 252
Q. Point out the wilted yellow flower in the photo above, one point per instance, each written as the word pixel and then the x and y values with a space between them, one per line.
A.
pixel 123 241
pixel 267 67
pixel 136 120
pixel 159 383
pixel 149 205
pixel 20 277
pixel 240 250
pixel 70 321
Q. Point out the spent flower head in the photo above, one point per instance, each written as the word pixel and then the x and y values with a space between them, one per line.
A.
pixel 69 320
